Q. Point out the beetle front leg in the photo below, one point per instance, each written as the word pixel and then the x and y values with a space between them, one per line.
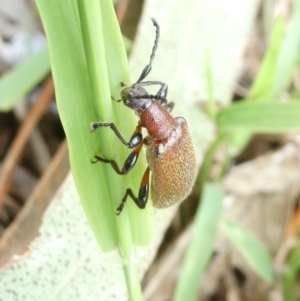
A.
pixel 135 139
pixel 163 91
pixel 161 95
pixel 142 199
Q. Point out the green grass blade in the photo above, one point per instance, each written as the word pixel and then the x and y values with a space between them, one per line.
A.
pixel 290 277
pixel 263 82
pixel 273 78
pixel 132 282
pixel 22 79
pixel 261 87
pixel 201 247
pixel 139 220
pixel 288 56
pixel 280 60
pixel 251 248
pixel 211 102
pixel 257 117
pixel 88 62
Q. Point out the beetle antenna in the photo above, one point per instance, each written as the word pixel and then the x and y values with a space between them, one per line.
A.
pixel 147 69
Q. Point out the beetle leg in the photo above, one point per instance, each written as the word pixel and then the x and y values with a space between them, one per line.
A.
pixel 161 94
pixel 163 91
pixel 119 100
pixel 116 100
pixel 161 100
pixel 169 106
pixel 135 139
pixel 128 164
pixel 152 83
pixel 142 199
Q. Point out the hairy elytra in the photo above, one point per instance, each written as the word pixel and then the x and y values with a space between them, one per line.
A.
pixel 169 149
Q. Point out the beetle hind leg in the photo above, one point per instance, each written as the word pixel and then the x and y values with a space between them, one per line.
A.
pixel 143 196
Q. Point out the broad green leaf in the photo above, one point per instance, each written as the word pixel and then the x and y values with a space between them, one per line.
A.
pixel 23 78
pixel 257 117
pixel 251 248
pixel 88 62
pixel 201 247
pixel 64 262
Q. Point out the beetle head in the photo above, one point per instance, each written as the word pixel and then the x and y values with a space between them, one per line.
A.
pixel 135 97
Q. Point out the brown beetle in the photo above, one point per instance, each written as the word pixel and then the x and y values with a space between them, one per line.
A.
pixel 170 153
